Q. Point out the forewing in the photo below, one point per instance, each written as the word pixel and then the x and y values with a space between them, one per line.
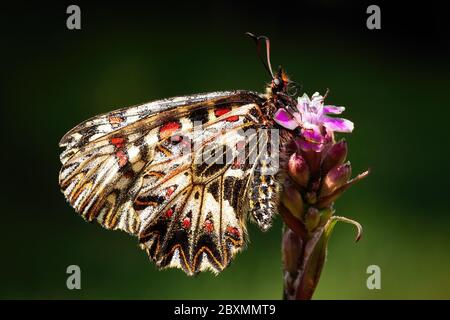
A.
pixel 137 117
pixel 104 157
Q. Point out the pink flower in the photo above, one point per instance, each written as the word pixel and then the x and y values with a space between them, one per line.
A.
pixel 312 117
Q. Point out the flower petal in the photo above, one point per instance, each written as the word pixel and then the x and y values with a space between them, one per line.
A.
pixel 303 103
pixel 338 124
pixel 307 145
pixel 283 118
pixel 333 109
pixel 313 135
pixel 316 98
pixel 316 105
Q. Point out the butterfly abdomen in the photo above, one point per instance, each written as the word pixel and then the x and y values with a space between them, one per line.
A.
pixel 263 204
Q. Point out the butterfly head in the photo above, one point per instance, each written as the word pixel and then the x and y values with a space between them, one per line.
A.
pixel 280 82
pixel 282 92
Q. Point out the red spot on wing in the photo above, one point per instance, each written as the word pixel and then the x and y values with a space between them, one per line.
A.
pixel 221 111
pixel 232 119
pixel 170 191
pixel 186 223
pixel 118 142
pixel 209 226
pixel 122 158
pixel 233 231
pixel 169 213
pixel 168 129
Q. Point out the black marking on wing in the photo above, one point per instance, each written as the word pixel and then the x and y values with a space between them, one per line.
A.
pixel 199 115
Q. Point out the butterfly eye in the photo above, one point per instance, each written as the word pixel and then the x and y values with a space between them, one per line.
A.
pixel 276 81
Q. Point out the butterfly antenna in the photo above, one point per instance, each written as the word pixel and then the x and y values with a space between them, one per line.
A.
pixel 266 63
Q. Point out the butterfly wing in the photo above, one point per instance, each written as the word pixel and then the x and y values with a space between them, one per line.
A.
pixel 105 154
pixel 151 171
pixel 99 126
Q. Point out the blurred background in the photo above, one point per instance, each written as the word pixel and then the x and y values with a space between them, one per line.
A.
pixel 394 83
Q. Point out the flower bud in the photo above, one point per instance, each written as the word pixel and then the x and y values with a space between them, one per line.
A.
pixel 335 156
pixel 328 200
pixel 313 160
pixel 299 170
pixel 335 178
pixel 311 156
pixel 292 200
pixel 312 219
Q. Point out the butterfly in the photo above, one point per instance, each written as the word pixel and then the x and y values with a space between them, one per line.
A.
pixel 153 171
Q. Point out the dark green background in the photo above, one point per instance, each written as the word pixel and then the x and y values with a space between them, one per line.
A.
pixel 394 83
